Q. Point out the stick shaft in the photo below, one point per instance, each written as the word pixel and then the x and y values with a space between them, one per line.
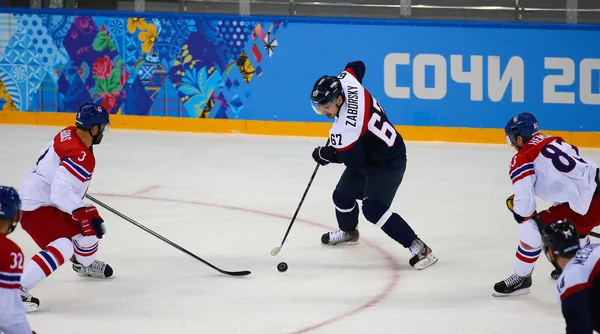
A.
pixel 235 273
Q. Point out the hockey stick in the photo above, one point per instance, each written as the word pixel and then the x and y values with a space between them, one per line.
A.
pixel 595 234
pixel 232 273
pixel 276 250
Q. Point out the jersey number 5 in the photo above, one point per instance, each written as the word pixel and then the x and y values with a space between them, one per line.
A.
pixel 383 130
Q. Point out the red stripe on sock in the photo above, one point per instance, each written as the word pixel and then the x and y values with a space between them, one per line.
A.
pixel 526 259
pixel 40 262
pixel 85 254
pixel 57 255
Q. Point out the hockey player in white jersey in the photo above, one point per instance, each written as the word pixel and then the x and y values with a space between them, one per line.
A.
pixel 54 213
pixel 553 170
pixel 578 285
pixel 366 142
pixel 12 312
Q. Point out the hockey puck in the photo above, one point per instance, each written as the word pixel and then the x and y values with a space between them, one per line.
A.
pixel 282 267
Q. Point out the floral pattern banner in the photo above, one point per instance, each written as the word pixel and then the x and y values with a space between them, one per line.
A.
pixel 165 66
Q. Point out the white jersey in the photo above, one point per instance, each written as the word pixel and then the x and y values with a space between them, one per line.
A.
pixel 62 174
pixel 580 272
pixel 350 124
pixel 12 311
pixel 551 169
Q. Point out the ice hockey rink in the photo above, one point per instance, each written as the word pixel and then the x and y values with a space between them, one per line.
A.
pixel 229 199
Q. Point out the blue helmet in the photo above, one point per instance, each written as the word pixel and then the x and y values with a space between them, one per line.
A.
pixel 10 206
pixel 524 125
pixel 90 114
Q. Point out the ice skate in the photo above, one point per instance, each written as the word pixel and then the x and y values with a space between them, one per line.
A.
pixel 555 274
pixel 513 286
pixel 340 237
pixel 97 269
pixel 30 303
pixel 422 255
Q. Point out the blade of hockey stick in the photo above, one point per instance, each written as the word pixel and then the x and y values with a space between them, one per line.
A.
pixel 231 273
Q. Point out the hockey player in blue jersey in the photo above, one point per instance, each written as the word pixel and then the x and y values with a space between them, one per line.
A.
pixel 578 286
pixel 374 154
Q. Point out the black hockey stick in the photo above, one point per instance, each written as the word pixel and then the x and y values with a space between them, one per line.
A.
pixel 232 273
pixel 276 250
pixel 595 234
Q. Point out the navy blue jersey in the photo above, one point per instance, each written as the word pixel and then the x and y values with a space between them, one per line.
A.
pixel 579 291
pixel 362 134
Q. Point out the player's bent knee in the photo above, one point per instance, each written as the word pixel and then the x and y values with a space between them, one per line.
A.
pixel 342 202
pixel 530 235
pixel 61 249
pixel 376 212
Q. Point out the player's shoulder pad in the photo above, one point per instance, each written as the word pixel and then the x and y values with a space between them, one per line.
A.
pixel 529 152
pixel 69 148
pixel 352 121
pixel 357 69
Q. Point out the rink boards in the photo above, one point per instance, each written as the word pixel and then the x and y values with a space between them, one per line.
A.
pixel 437 81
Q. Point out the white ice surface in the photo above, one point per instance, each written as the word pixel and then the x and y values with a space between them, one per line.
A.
pixel 206 193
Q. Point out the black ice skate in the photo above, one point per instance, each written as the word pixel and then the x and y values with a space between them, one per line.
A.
pixel 555 274
pixel 340 237
pixel 422 255
pixel 30 303
pixel 513 286
pixel 97 269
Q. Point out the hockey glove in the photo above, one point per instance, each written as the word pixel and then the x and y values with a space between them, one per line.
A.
pixel 510 203
pixel 325 155
pixel 90 222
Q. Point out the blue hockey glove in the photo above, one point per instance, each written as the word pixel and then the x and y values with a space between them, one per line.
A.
pixel 325 155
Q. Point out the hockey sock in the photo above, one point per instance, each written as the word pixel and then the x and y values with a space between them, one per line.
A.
pixel 44 263
pixel 529 248
pixel 390 222
pixel 346 211
pixel 85 249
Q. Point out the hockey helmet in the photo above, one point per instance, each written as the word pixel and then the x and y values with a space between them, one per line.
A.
pixel 10 207
pixel 561 236
pixel 90 114
pixel 325 90
pixel 524 125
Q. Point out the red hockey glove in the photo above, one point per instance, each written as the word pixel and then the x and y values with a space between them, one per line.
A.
pixel 90 222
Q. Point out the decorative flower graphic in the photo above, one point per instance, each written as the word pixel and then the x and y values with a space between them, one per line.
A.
pixel 104 41
pixel 135 23
pixel 116 26
pixel 198 87
pixel 148 37
pixel 103 68
pixel 185 59
pixel 270 43
pixel 18 73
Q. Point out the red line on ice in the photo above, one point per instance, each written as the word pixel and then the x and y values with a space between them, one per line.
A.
pixel 371 302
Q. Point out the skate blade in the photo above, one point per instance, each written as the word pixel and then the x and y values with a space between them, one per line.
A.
pixel 341 244
pixel 513 294
pixel 428 261
pixel 30 307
